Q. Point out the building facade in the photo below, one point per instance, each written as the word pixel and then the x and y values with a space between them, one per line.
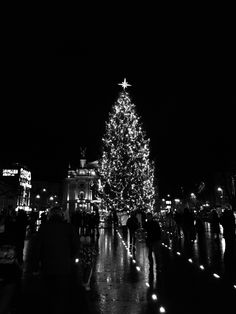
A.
pixel 15 187
pixel 80 188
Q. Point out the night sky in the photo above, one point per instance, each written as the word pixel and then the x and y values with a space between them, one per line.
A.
pixel 56 97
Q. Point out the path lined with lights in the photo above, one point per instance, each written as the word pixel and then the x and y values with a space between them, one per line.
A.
pixel 114 289
pixel 154 296
pixel 190 260
pixel 178 253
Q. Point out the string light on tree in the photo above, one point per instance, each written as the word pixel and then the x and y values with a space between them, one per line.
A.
pixel 126 172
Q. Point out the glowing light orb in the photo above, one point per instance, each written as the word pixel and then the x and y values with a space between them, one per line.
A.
pixel 154 297
pixel 124 84
pixel 162 309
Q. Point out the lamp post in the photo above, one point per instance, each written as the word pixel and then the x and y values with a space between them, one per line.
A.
pixel 221 194
pixel 37 203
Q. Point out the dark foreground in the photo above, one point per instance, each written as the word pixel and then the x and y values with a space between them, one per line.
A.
pixel 123 282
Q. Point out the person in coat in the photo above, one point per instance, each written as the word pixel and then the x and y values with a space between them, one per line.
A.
pixel 153 240
pixel 227 220
pixel 215 224
pixel 58 245
pixel 132 225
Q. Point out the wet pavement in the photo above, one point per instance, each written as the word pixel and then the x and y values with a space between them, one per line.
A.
pixel 192 279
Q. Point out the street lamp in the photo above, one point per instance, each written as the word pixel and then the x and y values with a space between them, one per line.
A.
pixel 37 202
pixel 193 195
pixel 221 193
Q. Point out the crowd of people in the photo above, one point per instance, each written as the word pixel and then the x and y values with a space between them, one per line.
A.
pixel 190 224
pixel 191 227
pixel 12 236
pixel 60 253
pixel 58 246
pixel 143 227
pixel 187 225
pixel 86 223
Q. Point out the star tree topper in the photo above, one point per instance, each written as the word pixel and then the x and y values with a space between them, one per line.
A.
pixel 124 84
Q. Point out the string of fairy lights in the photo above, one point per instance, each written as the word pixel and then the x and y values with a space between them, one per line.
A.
pixel 126 171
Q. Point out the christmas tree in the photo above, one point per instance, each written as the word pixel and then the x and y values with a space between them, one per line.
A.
pixel 126 173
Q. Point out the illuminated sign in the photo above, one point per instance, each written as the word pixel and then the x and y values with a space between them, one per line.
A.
pixel 25 178
pixel 9 172
pixel 24 174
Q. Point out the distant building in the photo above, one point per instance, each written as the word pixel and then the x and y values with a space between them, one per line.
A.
pixel 80 188
pixel 15 187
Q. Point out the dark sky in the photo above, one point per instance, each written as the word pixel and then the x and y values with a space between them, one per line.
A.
pixel 57 96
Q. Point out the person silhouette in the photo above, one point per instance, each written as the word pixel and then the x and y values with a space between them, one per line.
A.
pixel 58 245
pixel 153 239
pixel 188 225
pixel 132 225
pixel 227 220
pixel 215 224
